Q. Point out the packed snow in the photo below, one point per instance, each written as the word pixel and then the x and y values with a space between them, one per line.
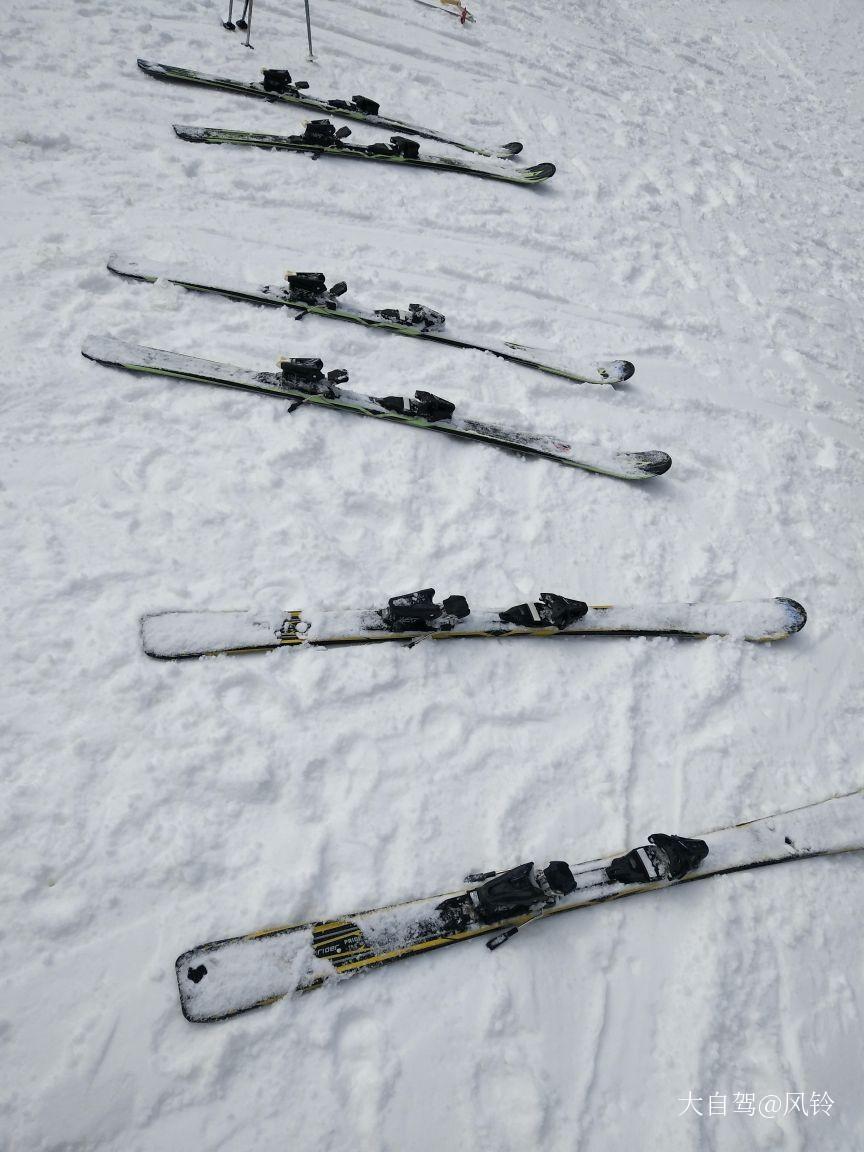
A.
pixel 704 222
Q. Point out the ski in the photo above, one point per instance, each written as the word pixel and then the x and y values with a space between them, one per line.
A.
pixel 322 138
pixel 416 616
pixel 303 381
pixel 278 87
pixel 308 292
pixel 455 9
pixel 225 977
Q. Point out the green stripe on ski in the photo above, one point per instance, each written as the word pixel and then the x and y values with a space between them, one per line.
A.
pixel 537 174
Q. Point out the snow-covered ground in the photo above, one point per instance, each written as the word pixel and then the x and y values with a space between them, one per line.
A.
pixel 705 222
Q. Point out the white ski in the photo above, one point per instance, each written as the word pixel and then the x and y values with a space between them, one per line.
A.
pixel 225 977
pixel 175 635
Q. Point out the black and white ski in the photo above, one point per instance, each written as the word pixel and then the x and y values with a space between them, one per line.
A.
pixel 322 138
pixel 278 87
pixel 303 381
pixel 416 616
pixel 308 292
pixel 225 977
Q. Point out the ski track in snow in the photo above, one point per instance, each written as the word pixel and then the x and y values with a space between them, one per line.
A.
pixel 705 223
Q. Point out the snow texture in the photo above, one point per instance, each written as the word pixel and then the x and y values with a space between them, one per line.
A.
pixel 704 222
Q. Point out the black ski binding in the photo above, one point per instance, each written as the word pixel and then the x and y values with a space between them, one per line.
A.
pixel 417 316
pixel 422 404
pixel 311 288
pixel 277 80
pixel 305 373
pixel 427 319
pixel 322 133
pixel 365 105
pixel 664 857
pixel 402 146
pixel 398 146
pixel 306 287
pixel 550 611
pixel 418 612
pixel 522 890
pixel 356 104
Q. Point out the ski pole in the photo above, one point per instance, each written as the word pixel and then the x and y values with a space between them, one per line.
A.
pixel 310 57
pixel 248 7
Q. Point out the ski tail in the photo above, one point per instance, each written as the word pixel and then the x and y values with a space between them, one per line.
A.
pixel 539 173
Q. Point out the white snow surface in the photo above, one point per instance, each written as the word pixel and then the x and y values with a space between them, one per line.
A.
pixel 704 222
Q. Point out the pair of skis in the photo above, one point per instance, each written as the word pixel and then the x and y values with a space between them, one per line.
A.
pixel 229 976
pixel 322 137
pixel 226 977
pixel 307 292
pixel 277 86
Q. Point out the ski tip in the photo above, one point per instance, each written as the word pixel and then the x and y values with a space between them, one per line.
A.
pixel 538 173
pixel 621 370
pixel 797 614
pixel 513 148
pixel 650 463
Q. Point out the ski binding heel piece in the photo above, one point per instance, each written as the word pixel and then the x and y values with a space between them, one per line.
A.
pixel 550 611
pixel 664 857
pixel 424 405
